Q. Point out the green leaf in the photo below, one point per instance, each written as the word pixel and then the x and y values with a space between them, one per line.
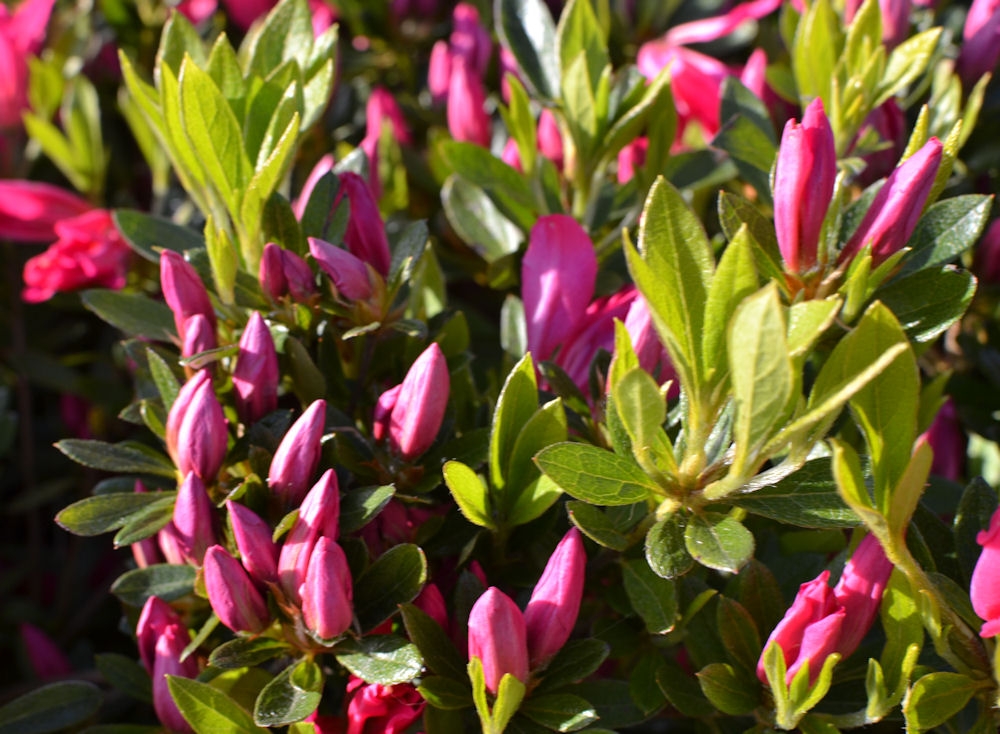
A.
pixel 761 374
pixel 437 649
pixel 657 103
pixel 734 280
pixel 164 580
pixel 520 122
pixel 904 629
pixel 653 598
pixel 929 301
pixel 560 711
pixel 739 635
pixel 207 709
pixel 643 411
pixel 116 457
pixel 395 578
pixel 682 690
pixel 507 188
pixel 107 512
pixel 145 523
pixel 510 694
pixel 936 697
pixel 385 659
pixel 575 661
pixel 469 493
pixel 945 231
pixel 291 696
pixel 527 31
pixel 167 383
pixel 246 652
pixel 666 551
pixel 747 138
pixel 807 321
pixel 360 506
pixel 126 675
pixel 580 33
pixel 673 268
pixel 445 693
pixel 478 221
pixel 818 39
pixel 907 62
pixel 134 314
pixel 145 233
pixel 808 499
pixel 729 691
pixel 595 524
pixel 546 427
pixel 516 405
pixel 51 708
pixel 718 541
pixel 594 475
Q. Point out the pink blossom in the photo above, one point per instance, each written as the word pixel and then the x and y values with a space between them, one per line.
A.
pixel 22 34
pixel 983 588
pixel 376 709
pixel 30 210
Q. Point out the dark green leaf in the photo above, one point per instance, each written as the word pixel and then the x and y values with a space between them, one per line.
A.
pixel 526 29
pixel 134 314
pixel 808 498
pixel 507 188
pixel 445 693
pixel 594 475
pixel 929 301
pixel 246 652
pixel 395 578
pixel 384 659
pixel 437 649
pixel 478 221
pixel 103 513
pixel 665 550
pixel 559 711
pixel 146 233
pixel 126 675
pixel 593 523
pixel 729 691
pixel 653 598
pixel 575 661
pixel 936 697
pixel 718 541
pixel 166 581
pixel 360 506
pixel 50 708
pixel 739 634
pixel 945 231
pixel 293 694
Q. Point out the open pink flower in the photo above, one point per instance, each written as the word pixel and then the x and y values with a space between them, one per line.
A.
pixel 22 34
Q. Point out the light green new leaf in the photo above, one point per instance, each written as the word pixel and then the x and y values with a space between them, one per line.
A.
pixel 516 405
pixel 936 697
pixel 735 279
pixel 643 411
pixel 595 475
pixel 527 31
pixel 579 32
pixel 470 494
pixel 209 710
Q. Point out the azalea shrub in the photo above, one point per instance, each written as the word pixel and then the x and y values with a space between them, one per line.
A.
pixel 509 366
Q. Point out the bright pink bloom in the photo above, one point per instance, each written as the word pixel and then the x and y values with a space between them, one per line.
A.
pixel 804 177
pixel 468 120
pixel 47 660
pixel 253 539
pixel 232 594
pixel 162 638
pixel 30 210
pixel 297 456
pixel 376 709
pixel 469 39
pixel 255 378
pixel 283 273
pixel 365 235
pixel 981 41
pixel 859 591
pixel 22 34
pixel 550 142
pixel 557 281
pixel 196 429
pixel 646 342
pixel 319 517
pixel 327 591
pixel 551 613
pixel 193 519
pixel 419 405
pixel 948 440
pixel 197 11
pixel 983 588
pixel 592 332
pixel 497 636
pixel 347 271
pixel 184 291
pixel 89 252
pixel 893 215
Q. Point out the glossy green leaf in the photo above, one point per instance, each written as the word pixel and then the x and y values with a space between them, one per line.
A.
pixel 937 697
pixel 360 506
pixel 478 221
pixel 385 659
pixel 575 661
pixel 51 708
pixel 469 493
pixel 437 649
pixel 654 598
pixel 815 52
pixel 807 321
pixel 945 231
pixel 546 427
pixel 126 675
pixel 395 578
pixel 734 280
pixel 729 690
pixel 560 711
pixel 666 551
pixel 739 635
pixel 165 580
pixel 291 696
pixel 516 405
pixel 116 457
pixel 643 411
pixel 594 475
pixel 507 188
pixel 929 301
pixel 510 694
pixel 807 498
pixel 134 314
pixel 145 523
pixel 209 710
pixel 594 523
pixel 107 512
pixel 246 652
pixel 718 541
pixel 445 693
pixel 527 31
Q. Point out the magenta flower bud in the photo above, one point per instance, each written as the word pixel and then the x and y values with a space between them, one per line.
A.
pixel 804 177
pixel 987 260
pixel 193 514
pixel 323 166
pixel 179 409
pixel 156 616
pixel 895 21
pixel 382 109
pixel 44 655
pixel 419 408
pixel 551 613
pixel 365 235
pixel 253 538
pixel 284 273
pixel 469 39
pixel 980 41
pixel 319 517
pixel 947 438
pixel 557 281
pixel 383 412
pixel 859 592
pixel 327 591
pixel 348 273
pixel 631 158
pixel 983 588
pixel 146 552
pixel 439 72
pixel 511 155
pixel 653 358
pixel 183 291
pixel 468 121
pixel 297 457
pixel 255 378
pixel 199 336
pixel 271 273
pixel 594 331
pixel 893 215
pixel 233 596
pixel 201 437
pixel 498 638
pixel 809 631
pixel 167 661
pixel 550 142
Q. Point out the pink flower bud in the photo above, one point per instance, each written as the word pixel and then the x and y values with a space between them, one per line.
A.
pixel 255 378
pixel 653 358
pixel 439 72
pixel 895 21
pixel 283 273
pixel 297 457
pixel 233 596
pixel 383 412
pixel 44 655
pixel 327 591
pixel 550 142
pixel 199 336
pixel 193 513
pixel 146 552
pixel 859 592
pixel 196 429
pixel 162 637
pixel 551 613
pixel 809 631
pixel 804 177
pixel 498 638
pixel 323 166
pixel 469 39
pixel 894 213
pixel 271 273
pixel 348 273
pixel 631 158
pixel 594 331
pixel 981 41
pixel 155 617
pixel 431 602
pixel 468 121
pixel 22 34
pixel 511 155
pixel 183 291
pixel 987 260
pixel 382 109
pixel 419 408
pixel 365 235
pixel 947 439
pixel 253 538
pixel 557 281
pixel 319 517
pixel 984 589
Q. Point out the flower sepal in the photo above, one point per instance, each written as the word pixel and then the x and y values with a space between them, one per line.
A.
pixel 510 694
pixel 792 701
